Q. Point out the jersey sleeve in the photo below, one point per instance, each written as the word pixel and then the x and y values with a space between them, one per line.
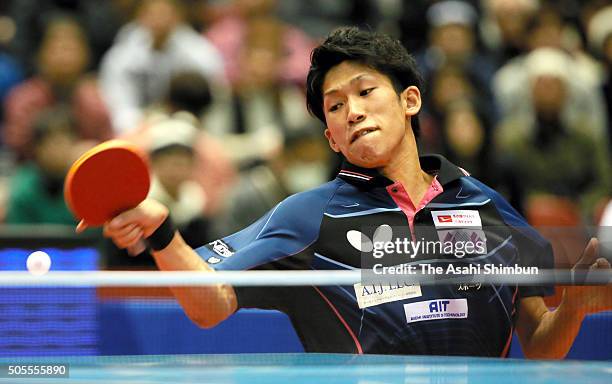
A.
pixel 270 243
pixel 533 249
pixel 290 227
pixel 274 236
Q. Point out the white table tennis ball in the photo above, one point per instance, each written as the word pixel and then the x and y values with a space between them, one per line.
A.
pixel 38 263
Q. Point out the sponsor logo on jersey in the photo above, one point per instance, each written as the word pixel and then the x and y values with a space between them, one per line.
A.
pixel 457 218
pixel 361 242
pixel 376 294
pixel 436 310
pixel 221 248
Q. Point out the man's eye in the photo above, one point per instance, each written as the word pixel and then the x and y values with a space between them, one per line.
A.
pixel 366 92
pixel 335 107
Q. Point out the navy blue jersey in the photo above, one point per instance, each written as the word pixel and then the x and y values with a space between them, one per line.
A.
pixel 312 231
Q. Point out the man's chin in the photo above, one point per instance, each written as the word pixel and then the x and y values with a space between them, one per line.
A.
pixel 368 161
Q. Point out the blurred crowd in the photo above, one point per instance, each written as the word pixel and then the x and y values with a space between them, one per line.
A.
pixel 517 92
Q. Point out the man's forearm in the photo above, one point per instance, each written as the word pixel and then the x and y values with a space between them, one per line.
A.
pixel 204 305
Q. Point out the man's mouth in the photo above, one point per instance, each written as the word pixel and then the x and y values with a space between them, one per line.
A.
pixel 361 132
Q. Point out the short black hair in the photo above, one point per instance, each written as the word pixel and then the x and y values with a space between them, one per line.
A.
pixel 376 50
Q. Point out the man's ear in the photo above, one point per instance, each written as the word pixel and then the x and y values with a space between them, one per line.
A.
pixel 332 143
pixel 411 100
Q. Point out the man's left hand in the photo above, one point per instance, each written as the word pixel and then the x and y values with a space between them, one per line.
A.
pixel 585 299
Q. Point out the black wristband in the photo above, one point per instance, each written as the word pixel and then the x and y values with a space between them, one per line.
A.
pixel 162 236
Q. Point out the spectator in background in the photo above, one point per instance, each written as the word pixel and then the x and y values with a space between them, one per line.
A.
pixel 553 152
pixel 446 85
pixel 467 140
pixel 190 93
pixel 600 40
pixel 263 106
pixel 100 19
pixel 36 189
pixel 504 27
pixel 232 33
pixel 453 40
pixel 453 64
pixel 62 58
pixel 547 29
pixel 173 167
pixel 136 71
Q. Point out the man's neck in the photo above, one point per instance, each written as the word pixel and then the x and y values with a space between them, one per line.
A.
pixel 407 170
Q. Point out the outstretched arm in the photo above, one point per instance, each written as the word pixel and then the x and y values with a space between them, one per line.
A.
pixel 206 305
pixel 550 334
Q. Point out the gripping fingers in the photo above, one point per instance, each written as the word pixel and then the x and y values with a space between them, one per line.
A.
pixel 118 231
pixel 124 236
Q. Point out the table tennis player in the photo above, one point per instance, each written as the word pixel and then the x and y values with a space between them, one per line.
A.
pixel 366 89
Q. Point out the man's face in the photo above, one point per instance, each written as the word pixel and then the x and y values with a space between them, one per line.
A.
pixel 366 119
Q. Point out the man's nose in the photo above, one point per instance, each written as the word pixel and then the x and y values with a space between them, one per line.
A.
pixel 356 113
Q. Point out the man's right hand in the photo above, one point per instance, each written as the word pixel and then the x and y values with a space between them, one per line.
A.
pixel 206 306
pixel 129 227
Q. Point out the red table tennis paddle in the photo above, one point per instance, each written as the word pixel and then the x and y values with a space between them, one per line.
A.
pixel 110 178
